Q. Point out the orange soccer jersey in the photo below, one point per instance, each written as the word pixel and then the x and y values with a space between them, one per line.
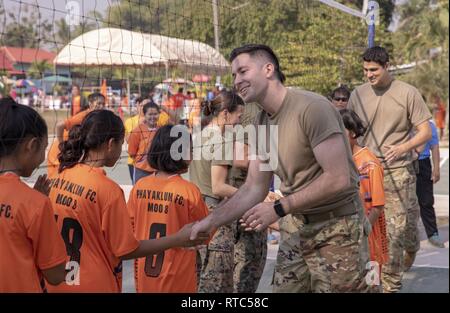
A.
pixel 29 239
pixel 52 157
pixel 371 192
pixel 94 223
pixel 138 145
pixel 160 207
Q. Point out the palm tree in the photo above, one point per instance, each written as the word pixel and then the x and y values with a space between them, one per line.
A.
pixel 423 36
pixel 38 69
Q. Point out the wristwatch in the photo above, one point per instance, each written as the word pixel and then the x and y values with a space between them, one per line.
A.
pixel 278 207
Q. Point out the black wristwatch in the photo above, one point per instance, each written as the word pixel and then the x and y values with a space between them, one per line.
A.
pixel 278 207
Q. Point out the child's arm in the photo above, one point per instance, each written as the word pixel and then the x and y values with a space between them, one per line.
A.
pixel 155 246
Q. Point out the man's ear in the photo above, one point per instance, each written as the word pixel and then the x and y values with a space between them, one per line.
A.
pixel 269 69
pixel 386 66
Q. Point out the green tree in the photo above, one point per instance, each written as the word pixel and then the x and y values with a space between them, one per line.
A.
pixel 428 46
pixel 65 33
pixel 24 28
pixel 38 68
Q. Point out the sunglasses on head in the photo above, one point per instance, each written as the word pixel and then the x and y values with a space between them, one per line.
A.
pixel 343 99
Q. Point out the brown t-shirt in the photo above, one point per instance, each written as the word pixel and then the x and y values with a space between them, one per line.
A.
pixel 390 114
pixel 304 120
pixel 237 176
pixel 200 170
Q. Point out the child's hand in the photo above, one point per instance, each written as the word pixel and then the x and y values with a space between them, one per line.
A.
pixel 185 232
pixel 42 185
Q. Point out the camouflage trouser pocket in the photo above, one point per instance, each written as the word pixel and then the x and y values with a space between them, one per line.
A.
pixel 223 239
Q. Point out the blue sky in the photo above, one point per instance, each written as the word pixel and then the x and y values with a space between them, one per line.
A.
pixel 50 9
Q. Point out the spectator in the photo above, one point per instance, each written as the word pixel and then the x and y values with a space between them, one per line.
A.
pixel 340 96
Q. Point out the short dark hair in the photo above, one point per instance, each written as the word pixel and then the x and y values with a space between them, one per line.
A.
pixel 139 100
pixel 18 121
pixel 159 156
pixel 353 123
pixel 149 105
pixel 376 54
pixel 342 90
pixel 93 97
pixel 261 50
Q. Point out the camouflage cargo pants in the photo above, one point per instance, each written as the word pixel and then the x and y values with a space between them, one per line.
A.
pixel 328 256
pixel 402 215
pixel 250 251
pixel 215 262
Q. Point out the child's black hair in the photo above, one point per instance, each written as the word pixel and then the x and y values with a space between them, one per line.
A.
pixel 96 96
pixel 17 122
pixel 159 156
pixel 353 123
pixel 98 127
pixel 149 105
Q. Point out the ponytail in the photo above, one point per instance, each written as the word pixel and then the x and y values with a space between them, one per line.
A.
pixel 71 151
pixel 97 128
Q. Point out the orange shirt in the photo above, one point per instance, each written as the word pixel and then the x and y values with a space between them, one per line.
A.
pixel 94 223
pixel 52 156
pixel 138 145
pixel 76 105
pixel 439 115
pixel 371 191
pixel 160 207
pixel 29 239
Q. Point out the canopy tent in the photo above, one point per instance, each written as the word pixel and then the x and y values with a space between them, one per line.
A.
pixel 113 46
pixel 57 79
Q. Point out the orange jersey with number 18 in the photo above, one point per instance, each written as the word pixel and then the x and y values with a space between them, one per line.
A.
pixel 160 207
pixel 94 223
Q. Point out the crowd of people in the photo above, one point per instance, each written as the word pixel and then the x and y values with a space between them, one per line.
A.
pixel 355 174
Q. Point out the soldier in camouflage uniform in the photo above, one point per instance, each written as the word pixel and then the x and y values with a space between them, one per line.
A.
pixel 215 262
pixel 250 248
pixel 392 109
pixel 309 151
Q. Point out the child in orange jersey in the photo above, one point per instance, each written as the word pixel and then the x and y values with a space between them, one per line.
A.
pixel 91 209
pixel 371 186
pixel 160 205
pixel 96 102
pixel 140 139
pixel 30 245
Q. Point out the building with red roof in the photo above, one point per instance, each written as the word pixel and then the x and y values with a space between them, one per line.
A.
pixel 17 60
